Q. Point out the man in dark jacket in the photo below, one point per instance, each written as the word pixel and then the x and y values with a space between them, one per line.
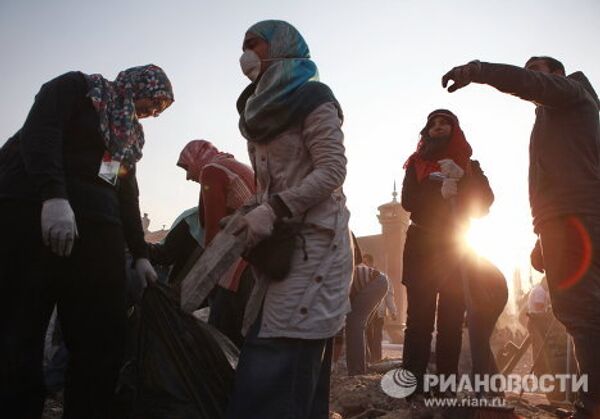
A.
pixel 564 192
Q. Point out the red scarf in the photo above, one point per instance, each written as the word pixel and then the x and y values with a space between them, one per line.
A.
pixel 197 154
pixel 457 149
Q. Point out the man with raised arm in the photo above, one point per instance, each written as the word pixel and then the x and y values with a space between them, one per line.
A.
pixel 564 192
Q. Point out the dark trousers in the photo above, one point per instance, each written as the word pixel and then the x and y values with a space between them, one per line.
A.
pixel 282 378
pixel 89 290
pixel 489 294
pixel 481 327
pixel 423 299
pixel 375 337
pixel 363 303
pixel 227 308
pixel 572 264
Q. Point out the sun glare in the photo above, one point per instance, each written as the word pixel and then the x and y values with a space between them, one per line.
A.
pixel 502 243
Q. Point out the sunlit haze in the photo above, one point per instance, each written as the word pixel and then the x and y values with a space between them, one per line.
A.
pixel 383 59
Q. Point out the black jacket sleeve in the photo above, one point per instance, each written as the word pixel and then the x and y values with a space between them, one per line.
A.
pixel 545 89
pixel 178 241
pixel 475 195
pixel 412 194
pixel 41 143
pixel 130 215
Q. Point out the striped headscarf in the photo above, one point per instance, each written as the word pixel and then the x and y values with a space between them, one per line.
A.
pixel 114 102
pixel 198 154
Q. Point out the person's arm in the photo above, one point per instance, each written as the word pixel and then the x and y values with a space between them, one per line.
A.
pixel 475 195
pixel 412 192
pixel 41 142
pixel 545 89
pixel 389 300
pixel 176 241
pixel 324 139
pixel 130 215
pixel 214 183
pixel 536 257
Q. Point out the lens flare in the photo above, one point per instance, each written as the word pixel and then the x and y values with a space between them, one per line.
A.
pixel 584 244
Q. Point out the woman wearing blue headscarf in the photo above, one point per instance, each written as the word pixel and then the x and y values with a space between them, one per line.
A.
pixel 292 124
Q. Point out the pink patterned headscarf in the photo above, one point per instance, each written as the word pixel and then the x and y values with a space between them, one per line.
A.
pixel 197 154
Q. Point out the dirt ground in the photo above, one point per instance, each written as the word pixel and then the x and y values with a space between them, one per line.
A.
pixel 361 397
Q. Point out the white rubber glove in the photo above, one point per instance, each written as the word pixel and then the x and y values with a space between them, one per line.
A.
pixel 258 224
pixel 144 269
pixel 451 169
pixel 59 229
pixel 449 188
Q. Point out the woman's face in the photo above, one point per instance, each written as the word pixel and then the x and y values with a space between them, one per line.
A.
pixel 257 44
pixel 439 127
pixel 260 47
pixel 192 175
pixel 150 107
pixel 196 159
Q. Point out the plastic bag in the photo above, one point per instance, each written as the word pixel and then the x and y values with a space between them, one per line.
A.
pixel 185 367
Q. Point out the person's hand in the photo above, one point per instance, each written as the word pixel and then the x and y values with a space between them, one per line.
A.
pixel 258 224
pixel 536 257
pixel 461 75
pixel 451 169
pixel 59 228
pixel 449 188
pixel 144 270
pixel 224 221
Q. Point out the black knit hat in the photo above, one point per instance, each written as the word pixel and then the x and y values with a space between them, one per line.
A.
pixel 439 112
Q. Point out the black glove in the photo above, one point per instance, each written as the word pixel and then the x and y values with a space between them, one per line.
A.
pixel 461 75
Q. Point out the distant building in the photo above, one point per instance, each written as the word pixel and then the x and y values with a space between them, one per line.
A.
pixel 152 236
pixel 387 248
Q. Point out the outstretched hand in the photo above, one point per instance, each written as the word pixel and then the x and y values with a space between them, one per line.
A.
pixel 461 76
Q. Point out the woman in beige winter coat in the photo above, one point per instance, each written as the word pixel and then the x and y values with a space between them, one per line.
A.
pixel 293 127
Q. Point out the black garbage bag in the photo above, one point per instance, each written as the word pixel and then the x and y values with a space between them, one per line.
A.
pixel 185 366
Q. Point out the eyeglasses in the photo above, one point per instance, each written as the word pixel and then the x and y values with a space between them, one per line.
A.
pixel 160 104
pixel 153 107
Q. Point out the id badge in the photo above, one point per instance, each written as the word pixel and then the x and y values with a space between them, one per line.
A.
pixel 109 169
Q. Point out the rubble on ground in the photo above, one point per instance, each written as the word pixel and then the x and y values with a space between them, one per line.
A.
pixel 361 397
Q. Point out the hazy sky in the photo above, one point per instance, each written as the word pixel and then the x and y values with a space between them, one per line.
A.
pixel 383 60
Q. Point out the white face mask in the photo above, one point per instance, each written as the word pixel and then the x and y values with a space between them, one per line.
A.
pixel 250 63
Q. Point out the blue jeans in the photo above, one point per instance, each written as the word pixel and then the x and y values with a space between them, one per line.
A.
pixel 282 378
pixel 363 303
